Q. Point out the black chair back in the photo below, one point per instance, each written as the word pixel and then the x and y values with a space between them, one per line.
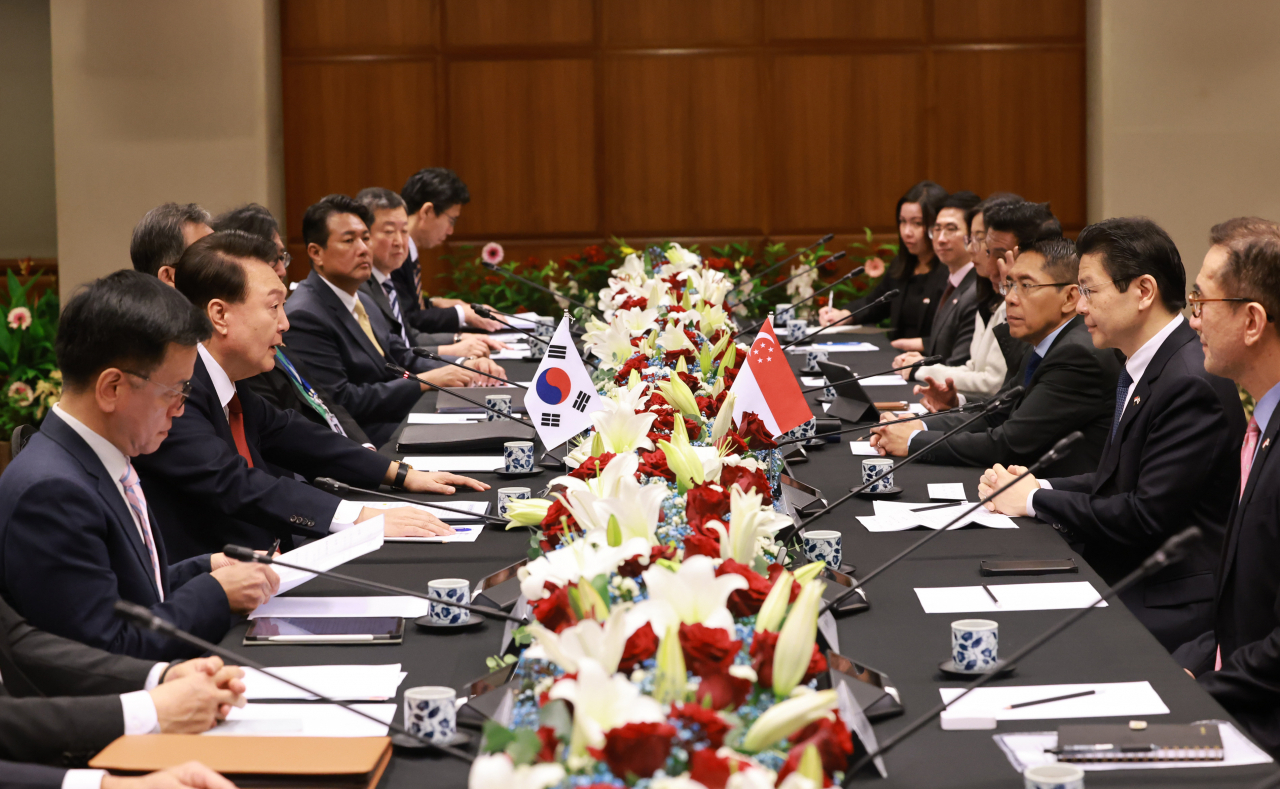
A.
pixel 21 435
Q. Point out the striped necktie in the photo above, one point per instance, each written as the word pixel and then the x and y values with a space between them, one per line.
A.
pixel 395 309
pixel 138 506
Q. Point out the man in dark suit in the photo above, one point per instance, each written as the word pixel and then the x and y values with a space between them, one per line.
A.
pixel 433 198
pixel 1234 307
pixel 212 469
pixel 76 533
pixel 1069 384
pixel 1170 460
pixel 162 234
pixel 340 334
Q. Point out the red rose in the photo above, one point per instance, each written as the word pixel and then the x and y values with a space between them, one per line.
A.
pixel 740 476
pixel 702 545
pixel 729 374
pixel 708 769
pixel 670 357
pixel 654 464
pixel 641 645
pixel 655 399
pixel 710 726
pixel 665 421
pixel 690 380
pixel 723 691
pixel 830 737
pixel 719 264
pixel 634 302
pixel 632 567
pixel 732 443
pixel 637 362
pixel 745 602
pixel 555 523
pixel 704 503
pixel 754 432
pixel 636 750
pixel 591 467
pixel 672 281
pixel 707 407
pixel 707 650
pixel 763 643
pixel 692 428
pixel 554 612
pixel 550 742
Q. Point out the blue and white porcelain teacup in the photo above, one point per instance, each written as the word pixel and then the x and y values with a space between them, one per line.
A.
pixel 873 467
pixel 797 328
pixel 975 644
pixel 823 546
pixel 431 711
pixel 546 327
pixel 517 456
pixel 507 495
pixel 812 357
pixel 450 590
pixel 782 315
pixel 498 402
pixel 1053 776
pixel 829 392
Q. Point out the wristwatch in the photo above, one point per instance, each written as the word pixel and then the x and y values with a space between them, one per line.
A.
pixel 402 473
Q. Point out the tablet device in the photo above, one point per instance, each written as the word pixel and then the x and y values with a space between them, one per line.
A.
pixel 325 630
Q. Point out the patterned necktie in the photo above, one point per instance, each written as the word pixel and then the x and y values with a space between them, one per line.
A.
pixel 1033 364
pixel 309 394
pixel 235 418
pixel 1247 452
pixel 362 318
pixel 138 505
pixel 417 283
pixel 1122 397
pixel 395 309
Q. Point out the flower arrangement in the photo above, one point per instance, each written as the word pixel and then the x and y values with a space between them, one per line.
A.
pixel 29 376
pixel 670 648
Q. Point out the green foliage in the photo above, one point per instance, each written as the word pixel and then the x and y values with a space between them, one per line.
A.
pixel 522 745
pixel 498 661
pixel 860 252
pixel 29 377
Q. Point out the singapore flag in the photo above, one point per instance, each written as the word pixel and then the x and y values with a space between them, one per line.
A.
pixel 766 386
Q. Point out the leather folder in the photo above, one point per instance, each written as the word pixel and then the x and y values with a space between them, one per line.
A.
pixel 447 403
pixel 461 438
pixel 293 762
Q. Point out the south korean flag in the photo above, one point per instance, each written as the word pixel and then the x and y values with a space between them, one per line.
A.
pixel 562 398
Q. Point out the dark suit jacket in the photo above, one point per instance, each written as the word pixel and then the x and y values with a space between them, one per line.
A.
pixel 1246 609
pixel 953 325
pixel 373 290
pixel 1174 463
pixel 327 338
pixel 1074 388
pixel 935 283
pixel 420 314
pixel 206 494
pixel 59 696
pixel 69 548
pixel 32 776
pixel 275 387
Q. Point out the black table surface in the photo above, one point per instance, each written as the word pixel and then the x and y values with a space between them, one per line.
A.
pixel 894 636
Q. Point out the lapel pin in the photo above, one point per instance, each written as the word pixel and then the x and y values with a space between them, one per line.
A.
pixel 1137 399
pixel 1266 444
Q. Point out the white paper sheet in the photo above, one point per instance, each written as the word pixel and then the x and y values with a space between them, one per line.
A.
pixel 863 448
pixel 444 419
pixel 809 380
pixel 1027 749
pixel 387 605
pixel 917 514
pixel 456 463
pixel 1111 699
pixel 513 353
pixel 345 683
pixel 947 491
pixel 469 532
pixel 330 552
pixel 883 380
pixel 475 507
pixel 305 720
pixel 1012 597
pixel 917 409
pixel 836 347
pixel 509 336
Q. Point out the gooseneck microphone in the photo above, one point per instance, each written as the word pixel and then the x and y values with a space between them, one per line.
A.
pixel 858 428
pixel 801 273
pixel 496 269
pixel 1056 452
pixel 410 376
pixel 810 297
pixel 143 616
pixel 825 239
pixel 1173 549
pixel 485 312
pixel 425 353
pixel 249 555
pixel 330 485
pixel 856 377
pixel 845 319
pixel 572 329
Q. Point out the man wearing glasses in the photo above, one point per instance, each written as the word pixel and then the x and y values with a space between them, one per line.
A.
pixel 76 534
pixel 1169 461
pixel 1068 383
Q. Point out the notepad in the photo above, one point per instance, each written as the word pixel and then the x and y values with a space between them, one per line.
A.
pixel 947 491
pixel 1011 597
pixel 899 516
pixel 354 607
pixel 835 347
pixel 445 419
pixel 464 532
pixel 883 380
pixel 332 551
pixel 1027 749
pixel 512 354
pixel 863 448
pixel 457 463
pixel 1110 699
pixel 809 380
pixel 345 683
pixel 304 720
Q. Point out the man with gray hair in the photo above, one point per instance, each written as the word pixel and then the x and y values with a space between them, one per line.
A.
pixel 162 235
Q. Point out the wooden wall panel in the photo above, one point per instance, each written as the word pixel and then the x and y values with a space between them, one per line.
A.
pixel 536 178
pixel 368 24
pixel 1005 20
pixel 682 155
pixel 847 133
pixel 506 22
pixel 1035 148
pixel 680 23
pixel 853 20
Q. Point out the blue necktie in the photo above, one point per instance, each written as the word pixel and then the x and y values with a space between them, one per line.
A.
pixel 1122 396
pixel 395 309
pixel 1032 365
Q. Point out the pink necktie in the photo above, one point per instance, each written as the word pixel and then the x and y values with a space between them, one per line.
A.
pixel 138 503
pixel 1247 451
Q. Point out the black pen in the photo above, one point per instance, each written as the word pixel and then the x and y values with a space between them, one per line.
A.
pixel 1055 698
pixel 990 594
pixel 275 548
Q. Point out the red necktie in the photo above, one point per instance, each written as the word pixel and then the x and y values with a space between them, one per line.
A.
pixel 235 416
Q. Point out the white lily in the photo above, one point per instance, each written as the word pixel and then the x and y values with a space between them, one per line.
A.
pixel 621 428
pixel 673 337
pixel 692 595
pixel 603 643
pixel 678 394
pixel 681 259
pixel 802 286
pixel 615 496
pixel 672 676
pixel 724 418
pixel 656 293
pixel 584 557
pixel 750 526
pixel 632 395
pixel 496 771
pixel 796 640
pixel 774 607
pixel 755 777
pixel 788 717
pixel 631 270
pixel 636 320
pixel 602 702
pixel 527 512
pixel 611 345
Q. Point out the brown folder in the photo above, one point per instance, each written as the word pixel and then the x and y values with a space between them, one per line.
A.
pixel 328 762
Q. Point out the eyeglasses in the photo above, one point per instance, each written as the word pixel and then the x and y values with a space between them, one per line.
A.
pixel 1197 303
pixel 975 242
pixel 1025 288
pixel 181 394
pixel 937 231
pixel 285 258
pixel 1088 292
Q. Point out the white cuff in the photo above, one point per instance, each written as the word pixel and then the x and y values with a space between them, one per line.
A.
pixel 153 677
pixel 462 315
pixel 961 398
pixel 83 779
pixel 1031 510
pixel 345 516
pixel 140 716
pixel 914 433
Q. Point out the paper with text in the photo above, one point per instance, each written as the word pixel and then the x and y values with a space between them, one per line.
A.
pixel 330 552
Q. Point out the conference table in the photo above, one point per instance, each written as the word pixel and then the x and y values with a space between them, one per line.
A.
pixel 895 636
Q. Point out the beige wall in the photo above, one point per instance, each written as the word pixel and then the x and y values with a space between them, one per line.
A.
pixel 1184 101
pixel 159 100
pixel 28 219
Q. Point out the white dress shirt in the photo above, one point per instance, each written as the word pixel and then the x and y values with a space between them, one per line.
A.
pixel 413 253
pixel 348 511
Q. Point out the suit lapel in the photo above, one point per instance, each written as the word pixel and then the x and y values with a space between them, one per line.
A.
pixel 346 319
pixel 1260 459
pixel 379 296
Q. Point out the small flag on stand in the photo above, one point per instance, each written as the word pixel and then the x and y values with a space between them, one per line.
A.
pixel 562 398
pixel 767 387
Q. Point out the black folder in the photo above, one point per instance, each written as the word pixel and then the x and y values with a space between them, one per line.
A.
pixel 462 438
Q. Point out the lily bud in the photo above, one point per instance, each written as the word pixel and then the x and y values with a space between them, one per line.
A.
pixel 724 420
pixel 810 571
pixel 526 512
pixel 796 640
pixel 673 677
pixel 811 765
pixel 786 718
pixel 775 604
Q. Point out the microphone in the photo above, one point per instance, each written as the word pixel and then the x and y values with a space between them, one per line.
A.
pixel 485 312
pixel 1172 550
pixel 825 239
pixel 856 377
pixel 143 616
pixel 496 269
pixel 863 308
pixel 806 270
pixel 572 329
pixel 426 354
pixel 856 428
pixel 1056 452
pixel 330 485
pixel 249 555
pixel 406 374
pixel 810 297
